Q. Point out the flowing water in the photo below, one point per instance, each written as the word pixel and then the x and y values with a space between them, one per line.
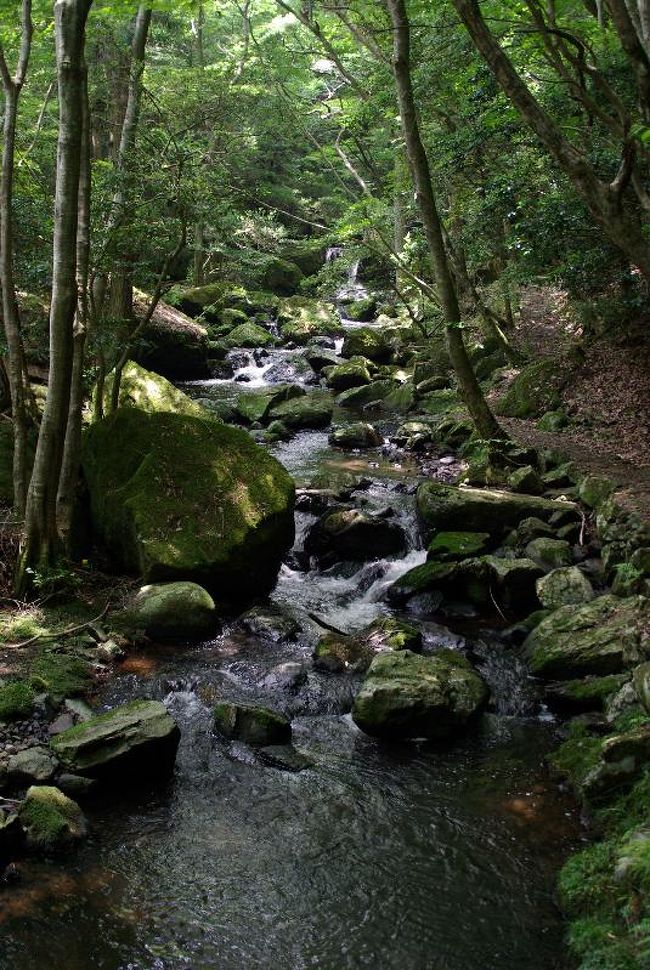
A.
pixel 407 856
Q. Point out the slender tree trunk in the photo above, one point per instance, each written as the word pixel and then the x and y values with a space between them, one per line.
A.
pixel 69 478
pixel 469 388
pixel 40 535
pixel 15 371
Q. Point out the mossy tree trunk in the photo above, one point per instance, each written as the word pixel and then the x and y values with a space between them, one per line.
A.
pixel 469 388
pixel 40 541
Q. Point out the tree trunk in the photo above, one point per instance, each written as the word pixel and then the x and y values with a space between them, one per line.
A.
pixel 40 535
pixel 69 478
pixel 468 385
pixel 15 350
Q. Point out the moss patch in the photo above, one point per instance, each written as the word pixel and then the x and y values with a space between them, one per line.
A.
pixel 16 701
pixel 61 675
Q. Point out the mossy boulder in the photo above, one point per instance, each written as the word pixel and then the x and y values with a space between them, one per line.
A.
pixel 391 395
pixel 571 697
pixel 16 700
pixel 255 406
pixel 301 320
pixel 338 653
pixel 309 411
pixel 454 546
pixel 367 342
pixel 171 344
pixel 622 759
pixel 356 435
pixel 351 373
pixel 534 390
pixel 36 765
pixel 350 534
pixel 250 336
pixel 136 740
pixel 594 490
pixel 208 301
pixel 308 254
pixel 527 480
pixel 143 389
pixel 564 587
pixel 553 421
pixel 549 553
pixel 389 633
pixel 281 276
pixel 361 311
pixel 448 508
pixel 168 611
pixel 177 497
pixel 601 637
pixel 51 821
pixel 406 695
pixel 252 724
pixel 641 681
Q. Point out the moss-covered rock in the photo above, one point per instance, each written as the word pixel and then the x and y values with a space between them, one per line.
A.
pixel 173 610
pixel 301 320
pixel 536 389
pixel 527 480
pixel 251 336
pixel 176 497
pixel 336 653
pixel 448 508
pixel 309 411
pixel 641 681
pixel 549 553
pixel 407 695
pixel 351 373
pixel 350 534
pixel 16 700
pixel 251 724
pixel 136 740
pixel 171 344
pixel 208 301
pixel 60 674
pixel 356 435
pixel 362 311
pixel 389 633
pixel 601 637
pixel 553 421
pixel 281 276
pixel 594 490
pixel 564 587
pixel 32 766
pixel 453 546
pixel 255 406
pixel 587 694
pixel 51 821
pixel 143 389
pixel 308 254
pixel 367 342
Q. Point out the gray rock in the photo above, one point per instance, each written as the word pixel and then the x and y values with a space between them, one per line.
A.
pixel 35 765
pixel 563 587
pixel 252 724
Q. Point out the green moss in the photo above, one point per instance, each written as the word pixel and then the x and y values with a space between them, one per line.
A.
pixel 61 675
pixel 578 755
pixel 536 389
pixel 16 626
pixel 16 701
pixel 447 546
pixel 50 819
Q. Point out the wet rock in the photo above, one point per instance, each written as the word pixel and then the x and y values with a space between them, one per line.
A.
pixel 336 653
pixel 270 624
pixel 526 480
pixel 448 508
pixel 136 740
pixel 320 357
pixel 250 335
pixel 600 637
pixel 167 611
pixel 253 407
pixel 357 435
pixel 311 411
pixel 389 633
pixel 406 695
pixel 343 376
pixel 353 535
pixel 288 676
pixel 251 724
pixel 76 786
pixel 51 821
pixel 35 765
pixel 587 694
pixel 367 342
pixel 179 498
pixel 549 553
pixel 277 431
pixel 454 546
pixel 285 758
pixel 564 587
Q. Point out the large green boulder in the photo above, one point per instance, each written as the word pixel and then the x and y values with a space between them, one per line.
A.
pixel 143 389
pixel 210 300
pixel 178 497
pixel 171 343
pixel 601 637
pixel 173 610
pixel 255 406
pixel 281 276
pixel 356 435
pixel 136 740
pixel 51 821
pixel 251 336
pixel 564 587
pixel 454 546
pixel 367 342
pixel 250 723
pixel 302 320
pixel 408 695
pixel 448 508
pixel 351 373
pixel 310 411
pixel 391 395
pixel 307 254
pixel 362 311
pixel 549 553
pixel 535 389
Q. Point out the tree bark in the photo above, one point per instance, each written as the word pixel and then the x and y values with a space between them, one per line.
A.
pixel 469 388
pixel 12 87
pixel 40 534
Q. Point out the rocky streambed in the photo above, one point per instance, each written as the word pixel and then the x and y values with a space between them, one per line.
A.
pixel 361 777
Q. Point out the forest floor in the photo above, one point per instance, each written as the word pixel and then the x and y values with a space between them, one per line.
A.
pixel 606 396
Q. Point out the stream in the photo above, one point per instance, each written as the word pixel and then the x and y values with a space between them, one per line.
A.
pixel 404 856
